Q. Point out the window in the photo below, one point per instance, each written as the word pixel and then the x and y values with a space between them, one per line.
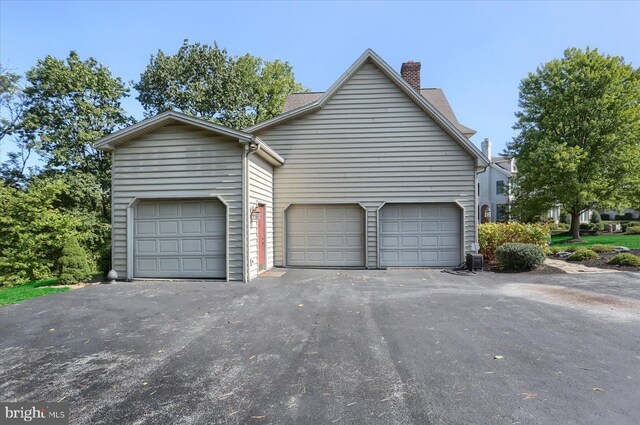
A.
pixel 500 187
pixel 478 189
pixel 502 212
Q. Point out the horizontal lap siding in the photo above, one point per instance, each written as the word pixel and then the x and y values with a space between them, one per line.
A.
pixel 369 144
pixel 178 161
pixel 260 192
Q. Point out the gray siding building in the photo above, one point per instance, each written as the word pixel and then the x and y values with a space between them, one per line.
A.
pixel 375 172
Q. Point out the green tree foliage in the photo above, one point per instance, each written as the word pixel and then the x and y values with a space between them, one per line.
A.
pixel 205 81
pixel 579 136
pixel 73 263
pixel 33 231
pixel 69 105
pixel 11 102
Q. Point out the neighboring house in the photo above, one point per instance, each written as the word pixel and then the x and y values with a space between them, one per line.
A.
pixel 369 174
pixel 635 214
pixel 494 188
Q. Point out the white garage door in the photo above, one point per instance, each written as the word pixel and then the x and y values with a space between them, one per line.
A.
pixel 325 236
pixel 420 235
pixel 180 239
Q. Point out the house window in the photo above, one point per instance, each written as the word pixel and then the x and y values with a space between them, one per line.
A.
pixel 500 187
pixel 502 212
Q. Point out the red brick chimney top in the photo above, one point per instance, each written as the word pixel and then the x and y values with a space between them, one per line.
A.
pixel 410 72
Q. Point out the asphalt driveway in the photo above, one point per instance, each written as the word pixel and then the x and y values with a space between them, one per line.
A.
pixel 397 346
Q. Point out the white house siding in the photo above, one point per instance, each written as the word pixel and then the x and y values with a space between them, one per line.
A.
pixel 178 161
pixel 369 144
pixel 260 192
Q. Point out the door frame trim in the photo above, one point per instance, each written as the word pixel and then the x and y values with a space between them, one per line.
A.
pixel 284 227
pixel 379 229
pixel 131 215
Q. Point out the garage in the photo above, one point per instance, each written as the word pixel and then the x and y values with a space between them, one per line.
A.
pixel 180 239
pixel 420 235
pixel 325 236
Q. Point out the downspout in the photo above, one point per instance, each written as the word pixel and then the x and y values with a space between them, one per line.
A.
pixel 249 148
pixel 476 196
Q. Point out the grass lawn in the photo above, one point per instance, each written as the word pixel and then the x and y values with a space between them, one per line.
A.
pixel 630 241
pixel 28 290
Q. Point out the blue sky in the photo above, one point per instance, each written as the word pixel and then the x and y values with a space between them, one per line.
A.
pixel 476 51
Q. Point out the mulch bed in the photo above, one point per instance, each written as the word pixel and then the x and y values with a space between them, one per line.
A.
pixel 543 269
pixel 602 259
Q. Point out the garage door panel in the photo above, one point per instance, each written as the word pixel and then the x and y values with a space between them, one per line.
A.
pixel 146 210
pixel 169 246
pixel 325 235
pixel 180 239
pixel 191 227
pixel 168 209
pixel 146 228
pixel 168 227
pixel 169 264
pixel 146 247
pixel 420 235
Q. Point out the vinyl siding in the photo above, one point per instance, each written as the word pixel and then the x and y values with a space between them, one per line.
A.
pixel 369 144
pixel 260 192
pixel 178 161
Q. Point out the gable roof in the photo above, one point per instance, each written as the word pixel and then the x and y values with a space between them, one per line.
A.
pixel 435 96
pixel 370 56
pixel 111 141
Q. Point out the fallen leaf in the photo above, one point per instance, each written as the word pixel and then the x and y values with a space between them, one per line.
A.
pixel 498 357
pixel 252 357
pixel 300 305
pixel 160 351
pixel 598 389
pixel 258 417
pixel 145 383
pixel 386 399
pixel 52 329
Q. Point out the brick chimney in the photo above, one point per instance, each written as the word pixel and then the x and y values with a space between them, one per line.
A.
pixel 410 72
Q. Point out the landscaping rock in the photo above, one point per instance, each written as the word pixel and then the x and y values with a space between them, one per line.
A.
pixel 622 249
pixel 563 254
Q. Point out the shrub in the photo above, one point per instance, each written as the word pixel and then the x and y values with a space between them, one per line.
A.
pixel 625 259
pixel 595 217
pixel 628 216
pixel 564 217
pixel 619 217
pixel 519 256
pixel 584 226
pixel 582 254
pixel 493 235
pixel 602 248
pixel 552 250
pixel 635 230
pixel 74 266
pixel 633 224
pixel 624 227
pixel 605 216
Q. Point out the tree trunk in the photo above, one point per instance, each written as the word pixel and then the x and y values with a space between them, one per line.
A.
pixel 575 225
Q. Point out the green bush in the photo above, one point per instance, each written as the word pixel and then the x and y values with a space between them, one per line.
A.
pixel 605 216
pixel 519 256
pixel 633 230
pixel 625 259
pixel 602 248
pixel 582 254
pixel 628 216
pixel 493 235
pixel 595 217
pixel 74 266
pixel 564 217
pixel 633 224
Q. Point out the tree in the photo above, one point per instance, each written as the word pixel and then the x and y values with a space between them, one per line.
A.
pixel 74 266
pixel 11 102
pixel 579 135
pixel 69 105
pixel 207 82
